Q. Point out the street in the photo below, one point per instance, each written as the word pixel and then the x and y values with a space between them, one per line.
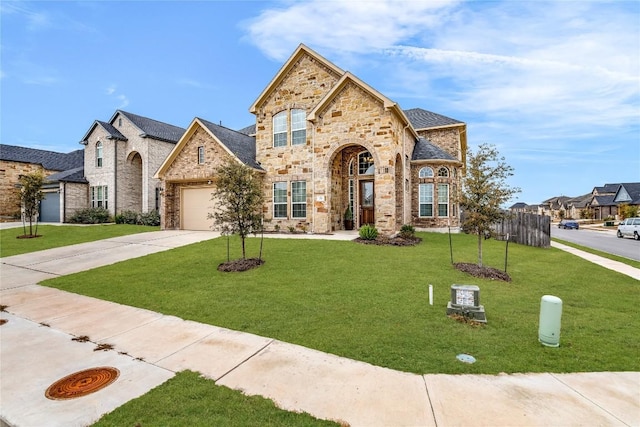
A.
pixel 605 241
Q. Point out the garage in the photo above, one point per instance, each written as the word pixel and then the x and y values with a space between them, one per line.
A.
pixel 50 207
pixel 195 207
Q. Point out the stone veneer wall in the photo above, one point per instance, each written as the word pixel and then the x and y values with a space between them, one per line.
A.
pixel 9 176
pixel 447 138
pixel 186 172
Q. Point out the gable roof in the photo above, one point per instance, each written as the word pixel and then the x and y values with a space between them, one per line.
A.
pixel 632 196
pixel 238 145
pixel 300 51
pixel 112 132
pixel 342 83
pixel 425 150
pixel 423 119
pixel 519 205
pixel 152 128
pixel 49 160
pixel 606 189
pixel 604 200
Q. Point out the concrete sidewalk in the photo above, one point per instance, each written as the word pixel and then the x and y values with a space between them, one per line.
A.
pixel 36 349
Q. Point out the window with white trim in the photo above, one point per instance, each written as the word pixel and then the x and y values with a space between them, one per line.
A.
pixel 425 172
pixel 201 155
pixel 280 129
pixel 443 199
pixel 443 172
pixel 351 168
pixel 425 196
pixel 99 154
pixel 352 194
pixel 298 127
pixel 99 197
pixel 299 199
pixel 280 199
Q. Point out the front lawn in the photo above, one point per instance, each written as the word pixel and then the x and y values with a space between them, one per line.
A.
pixel 191 400
pixel 54 236
pixel 370 303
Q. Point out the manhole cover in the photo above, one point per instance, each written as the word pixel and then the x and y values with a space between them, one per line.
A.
pixel 82 383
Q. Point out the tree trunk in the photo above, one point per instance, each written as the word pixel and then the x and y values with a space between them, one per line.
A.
pixel 480 237
pixel 243 253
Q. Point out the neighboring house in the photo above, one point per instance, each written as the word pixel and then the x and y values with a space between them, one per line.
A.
pixel 576 205
pixel 519 207
pixel 120 158
pixel 65 188
pixel 324 141
pixel 553 206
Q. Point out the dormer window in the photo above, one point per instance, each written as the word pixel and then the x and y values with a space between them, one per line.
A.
pixel 280 129
pixel 99 154
pixel 298 127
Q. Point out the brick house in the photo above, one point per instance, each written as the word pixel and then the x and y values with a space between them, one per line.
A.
pixel 64 189
pixel 120 158
pixel 324 141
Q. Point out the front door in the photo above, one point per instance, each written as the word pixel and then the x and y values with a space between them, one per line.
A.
pixel 366 203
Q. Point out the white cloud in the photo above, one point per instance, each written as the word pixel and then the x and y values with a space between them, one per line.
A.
pixel 194 83
pixel 123 100
pixel 110 90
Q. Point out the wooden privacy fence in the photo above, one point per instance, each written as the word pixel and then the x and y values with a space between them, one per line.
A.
pixel 525 228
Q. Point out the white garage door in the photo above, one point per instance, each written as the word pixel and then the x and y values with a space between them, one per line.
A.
pixel 196 205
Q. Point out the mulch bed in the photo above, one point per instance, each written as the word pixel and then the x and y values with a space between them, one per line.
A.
pixel 391 241
pixel 482 272
pixel 28 236
pixel 240 264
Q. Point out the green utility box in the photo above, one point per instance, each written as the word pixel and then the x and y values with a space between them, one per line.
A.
pixel 550 316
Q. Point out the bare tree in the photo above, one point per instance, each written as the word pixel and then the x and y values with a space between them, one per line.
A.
pixel 484 192
pixel 30 195
pixel 238 196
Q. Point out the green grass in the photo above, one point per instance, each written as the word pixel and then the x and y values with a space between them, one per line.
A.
pixel 54 236
pixel 370 303
pixel 188 399
pixel 607 255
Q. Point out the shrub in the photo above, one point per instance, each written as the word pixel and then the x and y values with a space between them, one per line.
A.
pixel 91 216
pixel 407 231
pixel 127 217
pixel 150 218
pixel 368 232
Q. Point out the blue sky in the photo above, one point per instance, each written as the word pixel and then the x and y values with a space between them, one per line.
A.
pixel 554 85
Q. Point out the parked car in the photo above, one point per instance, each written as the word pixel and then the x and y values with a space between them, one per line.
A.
pixel 569 223
pixel 630 227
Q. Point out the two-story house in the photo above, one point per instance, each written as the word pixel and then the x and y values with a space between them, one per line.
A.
pixel 324 141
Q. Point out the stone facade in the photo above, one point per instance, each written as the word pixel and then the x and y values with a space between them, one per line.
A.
pixel 355 141
pixel 9 177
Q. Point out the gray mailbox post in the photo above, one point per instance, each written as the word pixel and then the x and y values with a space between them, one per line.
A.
pixel 465 301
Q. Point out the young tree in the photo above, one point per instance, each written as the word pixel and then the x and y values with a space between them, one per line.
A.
pixel 485 191
pixel 239 201
pixel 30 195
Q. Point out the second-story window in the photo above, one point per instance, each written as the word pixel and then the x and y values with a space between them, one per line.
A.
pixel 280 129
pixel 298 127
pixel 99 154
pixel 201 155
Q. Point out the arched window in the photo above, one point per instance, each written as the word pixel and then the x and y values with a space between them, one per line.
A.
pixel 425 172
pixel 365 163
pixel 280 129
pixel 444 172
pixel 99 154
pixel 351 171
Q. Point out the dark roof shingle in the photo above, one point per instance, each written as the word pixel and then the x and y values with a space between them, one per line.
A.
pixel 249 130
pixel 153 128
pixel 423 119
pixel 49 160
pixel 71 175
pixel 425 150
pixel 240 144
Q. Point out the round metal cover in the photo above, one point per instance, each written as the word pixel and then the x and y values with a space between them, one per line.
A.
pixel 82 383
pixel 466 358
